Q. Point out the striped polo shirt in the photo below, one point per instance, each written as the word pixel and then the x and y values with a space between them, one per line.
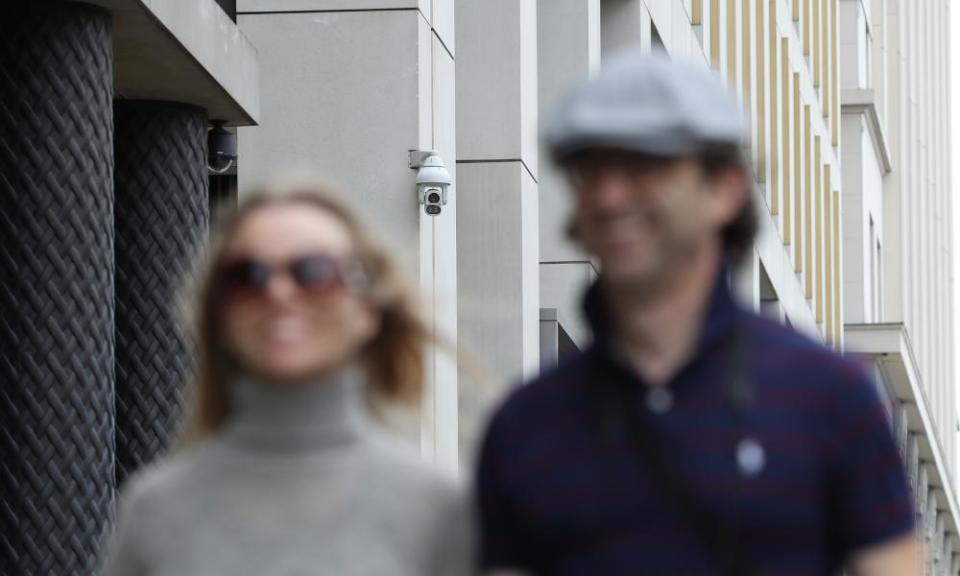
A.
pixel 556 495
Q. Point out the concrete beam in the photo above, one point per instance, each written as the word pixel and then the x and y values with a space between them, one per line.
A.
pixel 253 6
pixel 188 52
pixel 889 346
pixel 437 13
pixel 864 102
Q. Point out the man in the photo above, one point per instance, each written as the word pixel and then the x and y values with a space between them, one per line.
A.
pixel 693 436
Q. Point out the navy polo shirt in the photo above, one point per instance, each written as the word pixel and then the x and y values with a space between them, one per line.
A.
pixel 558 496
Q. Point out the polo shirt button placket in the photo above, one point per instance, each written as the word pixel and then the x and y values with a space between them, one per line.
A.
pixel 751 457
pixel 659 399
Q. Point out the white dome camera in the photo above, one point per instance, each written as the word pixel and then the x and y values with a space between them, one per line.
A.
pixel 433 180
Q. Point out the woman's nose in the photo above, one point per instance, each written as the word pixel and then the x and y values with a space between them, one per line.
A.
pixel 281 288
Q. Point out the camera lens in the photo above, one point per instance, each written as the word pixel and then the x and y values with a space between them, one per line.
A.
pixel 433 198
pixel 433 210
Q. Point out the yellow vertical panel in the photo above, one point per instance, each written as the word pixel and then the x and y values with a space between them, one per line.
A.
pixel 808 202
pixel 696 12
pixel 747 49
pixel 715 33
pixel 828 256
pixel 761 100
pixel 797 174
pixel 732 41
pixel 774 110
pixel 838 283
pixel 815 40
pixel 818 225
pixel 805 26
pixel 824 58
pixel 795 5
pixel 835 79
pixel 786 168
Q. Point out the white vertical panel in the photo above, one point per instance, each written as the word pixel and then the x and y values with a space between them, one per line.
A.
pixel 427 267
pixel 446 382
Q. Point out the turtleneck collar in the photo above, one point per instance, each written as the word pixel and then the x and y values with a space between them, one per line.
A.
pixel 303 416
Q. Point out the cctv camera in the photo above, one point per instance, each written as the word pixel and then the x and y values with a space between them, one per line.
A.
pixel 221 148
pixel 433 180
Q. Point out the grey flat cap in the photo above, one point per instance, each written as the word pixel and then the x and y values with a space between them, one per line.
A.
pixel 649 104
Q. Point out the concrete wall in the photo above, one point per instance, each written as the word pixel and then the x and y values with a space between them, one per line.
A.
pixel 498 268
pixel 917 198
pixel 568 43
pixel 351 85
pixel 497 147
pixel 898 217
pixel 347 92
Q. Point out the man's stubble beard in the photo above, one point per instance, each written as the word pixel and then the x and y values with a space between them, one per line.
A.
pixel 667 269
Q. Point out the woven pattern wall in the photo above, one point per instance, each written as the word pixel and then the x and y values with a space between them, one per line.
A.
pixel 162 214
pixel 56 287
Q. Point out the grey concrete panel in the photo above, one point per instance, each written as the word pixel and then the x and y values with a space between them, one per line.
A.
pixel 556 210
pixel 497 81
pixel 568 51
pixel 496 232
pixel 621 21
pixel 341 97
pixel 187 52
pixel 439 13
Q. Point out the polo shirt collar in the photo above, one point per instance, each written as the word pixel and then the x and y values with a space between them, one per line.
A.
pixel 717 327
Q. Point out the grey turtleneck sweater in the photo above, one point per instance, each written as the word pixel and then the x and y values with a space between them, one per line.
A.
pixel 298 483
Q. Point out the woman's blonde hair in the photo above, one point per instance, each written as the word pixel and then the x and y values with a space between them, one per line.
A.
pixel 393 361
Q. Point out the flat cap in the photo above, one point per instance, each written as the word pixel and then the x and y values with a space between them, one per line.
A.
pixel 649 104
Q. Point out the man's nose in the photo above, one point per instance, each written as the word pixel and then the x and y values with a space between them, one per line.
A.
pixel 611 189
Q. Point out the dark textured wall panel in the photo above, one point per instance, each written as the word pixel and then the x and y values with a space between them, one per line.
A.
pixel 56 287
pixel 162 213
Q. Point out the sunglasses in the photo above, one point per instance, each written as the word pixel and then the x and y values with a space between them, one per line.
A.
pixel 314 274
pixel 588 169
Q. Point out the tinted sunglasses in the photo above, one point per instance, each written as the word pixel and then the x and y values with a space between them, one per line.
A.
pixel 588 168
pixel 312 273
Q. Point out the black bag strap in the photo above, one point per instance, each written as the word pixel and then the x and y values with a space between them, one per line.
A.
pixel 620 407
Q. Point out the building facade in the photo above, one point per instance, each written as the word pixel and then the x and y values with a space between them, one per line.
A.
pixel 898 273
pixel 848 108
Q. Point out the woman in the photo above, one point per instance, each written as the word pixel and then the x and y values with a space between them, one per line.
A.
pixel 303 326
